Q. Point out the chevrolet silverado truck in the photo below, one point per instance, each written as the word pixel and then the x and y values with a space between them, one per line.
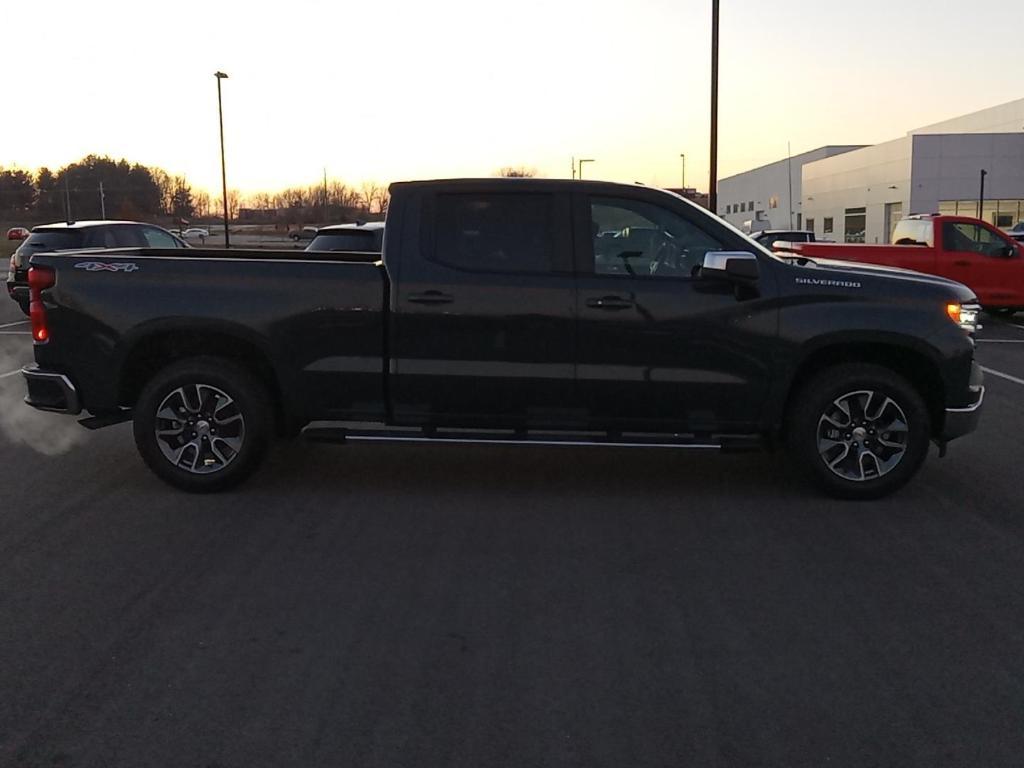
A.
pixel 968 250
pixel 515 311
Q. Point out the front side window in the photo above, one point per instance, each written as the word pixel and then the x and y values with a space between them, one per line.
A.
pixel 633 238
pixel 959 236
pixel 157 238
pixel 494 232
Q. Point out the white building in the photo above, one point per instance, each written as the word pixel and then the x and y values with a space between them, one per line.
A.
pixel 764 197
pixel 859 194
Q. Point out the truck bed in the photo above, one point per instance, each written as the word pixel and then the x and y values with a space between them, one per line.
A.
pixel 318 317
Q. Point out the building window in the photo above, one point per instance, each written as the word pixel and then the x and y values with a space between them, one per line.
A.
pixel 810 225
pixel 856 225
pixel 743 207
pixel 728 209
pixel 750 205
pixel 826 225
pixel 773 201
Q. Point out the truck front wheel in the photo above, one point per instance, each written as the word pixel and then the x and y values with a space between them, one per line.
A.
pixel 203 424
pixel 862 430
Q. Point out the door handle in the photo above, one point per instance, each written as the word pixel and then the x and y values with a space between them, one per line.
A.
pixel 961 263
pixel 610 303
pixel 430 297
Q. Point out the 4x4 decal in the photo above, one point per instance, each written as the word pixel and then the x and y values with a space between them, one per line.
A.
pixel 100 266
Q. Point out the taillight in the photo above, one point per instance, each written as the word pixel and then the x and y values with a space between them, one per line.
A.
pixel 39 279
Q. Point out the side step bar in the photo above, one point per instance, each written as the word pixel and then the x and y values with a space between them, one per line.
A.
pixel 725 443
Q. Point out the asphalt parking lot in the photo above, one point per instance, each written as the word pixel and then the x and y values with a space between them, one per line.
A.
pixel 409 606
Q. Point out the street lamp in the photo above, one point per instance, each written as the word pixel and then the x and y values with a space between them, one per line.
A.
pixel 683 182
pixel 223 171
pixel 581 162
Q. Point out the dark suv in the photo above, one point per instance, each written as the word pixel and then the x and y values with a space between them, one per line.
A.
pixel 81 235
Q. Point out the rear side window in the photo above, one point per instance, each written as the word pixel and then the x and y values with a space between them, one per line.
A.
pixel 354 240
pixel 914 232
pixel 53 240
pixel 494 232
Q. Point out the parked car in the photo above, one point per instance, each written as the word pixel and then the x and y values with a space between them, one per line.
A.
pixel 361 236
pixel 489 319
pixel 768 237
pixel 306 233
pixel 77 236
pixel 195 233
pixel 960 248
pixel 17 233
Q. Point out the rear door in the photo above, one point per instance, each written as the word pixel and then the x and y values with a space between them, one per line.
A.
pixel 483 326
pixel 984 260
pixel 659 348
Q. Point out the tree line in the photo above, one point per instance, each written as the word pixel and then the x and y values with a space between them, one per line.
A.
pixel 100 187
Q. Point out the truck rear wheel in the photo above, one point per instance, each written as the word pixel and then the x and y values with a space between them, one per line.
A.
pixel 861 430
pixel 202 424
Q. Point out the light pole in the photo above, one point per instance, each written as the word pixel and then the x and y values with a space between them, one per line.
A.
pixel 223 170
pixel 682 183
pixel 581 162
pixel 713 183
pixel 981 195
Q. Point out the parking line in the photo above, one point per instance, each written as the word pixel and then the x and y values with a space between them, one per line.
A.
pixel 1002 375
pixel 11 325
pixel 12 373
pixel 15 333
pixel 999 341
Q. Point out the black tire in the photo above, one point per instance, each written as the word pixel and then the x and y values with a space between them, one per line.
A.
pixel 229 398
pixel 818 432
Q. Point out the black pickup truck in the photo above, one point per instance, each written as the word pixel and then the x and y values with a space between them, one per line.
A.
pixel 515 311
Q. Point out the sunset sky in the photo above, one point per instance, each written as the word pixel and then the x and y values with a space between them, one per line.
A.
pixel 405 89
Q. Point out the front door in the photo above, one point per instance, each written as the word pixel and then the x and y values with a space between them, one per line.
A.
pixel 984 260
pixel 661 349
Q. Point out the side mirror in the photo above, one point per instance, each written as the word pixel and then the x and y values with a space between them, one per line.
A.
pixel 1009 251
pixel 737 266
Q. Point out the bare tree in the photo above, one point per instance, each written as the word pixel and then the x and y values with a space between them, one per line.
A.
pixel 373 198
pixel 201 201
pixel 517 172
pixel 234 202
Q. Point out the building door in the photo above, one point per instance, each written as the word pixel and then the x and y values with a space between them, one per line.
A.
pixel 893 214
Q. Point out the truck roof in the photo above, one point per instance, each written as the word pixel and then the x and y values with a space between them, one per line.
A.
pixel 84 224
pixel 528 183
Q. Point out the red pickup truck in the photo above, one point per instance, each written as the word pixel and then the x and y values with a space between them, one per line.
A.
pixel 961 248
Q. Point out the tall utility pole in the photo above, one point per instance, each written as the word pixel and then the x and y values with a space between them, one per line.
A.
pixel 325 196
pixel 713 182
pixel 103 203
pixel 789 161
pixel 682 182
pixel 223 170
pixel 572 161
pixel 581 162
pixel 981 194
pixel 67 199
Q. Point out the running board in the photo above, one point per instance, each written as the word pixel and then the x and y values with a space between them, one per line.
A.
pixel 725 443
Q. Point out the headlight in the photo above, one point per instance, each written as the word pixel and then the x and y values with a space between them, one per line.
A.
pixel 964 315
